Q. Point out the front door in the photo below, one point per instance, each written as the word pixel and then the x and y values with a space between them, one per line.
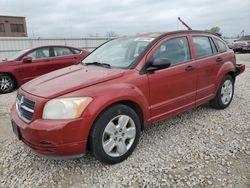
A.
pixel 173 89
pixel 41 64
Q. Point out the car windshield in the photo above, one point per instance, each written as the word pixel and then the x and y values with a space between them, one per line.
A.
pixel 245 38
pixel 118 53
pixel 16 55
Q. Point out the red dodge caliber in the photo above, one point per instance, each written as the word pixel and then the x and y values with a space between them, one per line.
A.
pixel 103 103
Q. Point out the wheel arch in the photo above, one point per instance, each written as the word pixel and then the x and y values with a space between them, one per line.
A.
pixel 232 74
pixel 227 68
pixel 136 107
pixel 130 103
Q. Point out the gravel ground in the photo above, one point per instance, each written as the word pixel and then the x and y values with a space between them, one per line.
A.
pixel 203 147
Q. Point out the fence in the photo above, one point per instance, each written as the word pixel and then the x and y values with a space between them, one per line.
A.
pixel 11 45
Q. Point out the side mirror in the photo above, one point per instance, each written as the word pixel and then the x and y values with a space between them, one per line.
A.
pixel 160 63
pixel 27 59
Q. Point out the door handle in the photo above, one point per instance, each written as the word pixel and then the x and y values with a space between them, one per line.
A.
pixel 219 59
pixel 189 68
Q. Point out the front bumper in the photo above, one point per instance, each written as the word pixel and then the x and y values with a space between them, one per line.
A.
pixel 60 138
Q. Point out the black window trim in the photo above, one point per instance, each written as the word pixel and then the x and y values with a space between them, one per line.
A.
pixel 212 41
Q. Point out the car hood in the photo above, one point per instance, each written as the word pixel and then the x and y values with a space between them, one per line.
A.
pixel 69 79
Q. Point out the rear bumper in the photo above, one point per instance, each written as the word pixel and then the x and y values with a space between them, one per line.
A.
pixel 239 68
pixel 246 48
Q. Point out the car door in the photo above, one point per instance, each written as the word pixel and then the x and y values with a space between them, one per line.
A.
pixel 64 57
pixel 172 89
pixel 40 64
pixel 208 62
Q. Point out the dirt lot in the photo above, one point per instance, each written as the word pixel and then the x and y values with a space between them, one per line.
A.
pixel 200 148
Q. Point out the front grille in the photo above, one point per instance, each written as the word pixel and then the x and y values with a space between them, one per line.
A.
pixel 25 108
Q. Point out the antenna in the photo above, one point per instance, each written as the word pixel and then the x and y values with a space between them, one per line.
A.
pixel 189 28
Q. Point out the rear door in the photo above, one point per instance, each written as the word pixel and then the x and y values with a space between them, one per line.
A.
pixel 172 89
pixel 64 57
pixel 208 61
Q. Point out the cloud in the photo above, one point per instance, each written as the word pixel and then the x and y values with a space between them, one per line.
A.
pixel 79 18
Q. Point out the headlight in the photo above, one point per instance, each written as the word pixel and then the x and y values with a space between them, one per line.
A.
pixel 65 108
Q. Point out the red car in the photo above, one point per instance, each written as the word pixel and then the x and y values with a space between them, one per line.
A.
pixel 28 64
pixel 103 103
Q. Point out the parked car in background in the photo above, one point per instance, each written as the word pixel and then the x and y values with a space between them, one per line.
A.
pixel 242 45
pixel 31 63
pixel 103 103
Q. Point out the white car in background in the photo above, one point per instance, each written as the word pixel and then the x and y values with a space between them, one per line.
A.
pixel 242 44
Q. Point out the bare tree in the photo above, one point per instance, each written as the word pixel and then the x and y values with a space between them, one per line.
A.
pixel 93 35
pixel 111 34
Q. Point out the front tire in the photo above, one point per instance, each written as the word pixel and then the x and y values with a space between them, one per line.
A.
pixel 224 94
pixel 7 83
pixel 115 134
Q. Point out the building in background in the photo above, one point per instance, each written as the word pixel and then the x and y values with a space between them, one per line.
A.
pixel 12 26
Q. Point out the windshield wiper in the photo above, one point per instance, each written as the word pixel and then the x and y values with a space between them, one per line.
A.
pixel 98 64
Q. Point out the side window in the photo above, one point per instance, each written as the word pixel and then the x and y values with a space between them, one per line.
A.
pixel 39 53
pixel 60 51
pixel 202 46
pixel 213 46
pixel 175 50
pixel 221 45
pixel 76 51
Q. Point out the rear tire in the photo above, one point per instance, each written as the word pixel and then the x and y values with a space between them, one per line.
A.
pixel 115 134
pixel 7 83
pixel 224 94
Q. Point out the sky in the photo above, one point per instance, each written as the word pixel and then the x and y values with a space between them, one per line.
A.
pixel 81 18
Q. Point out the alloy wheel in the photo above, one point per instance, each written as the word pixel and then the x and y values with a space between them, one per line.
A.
pixel 5 83
pixel 226 92
pixel 119 136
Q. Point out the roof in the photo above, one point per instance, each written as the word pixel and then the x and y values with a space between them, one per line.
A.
pixel 3 16
pixel 163 34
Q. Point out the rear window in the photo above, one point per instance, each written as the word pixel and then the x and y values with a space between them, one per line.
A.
pixel 76 51
pixel 221 45
pixel 61 51
pixel 202 46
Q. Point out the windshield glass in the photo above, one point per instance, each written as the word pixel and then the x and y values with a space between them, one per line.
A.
pixel 119 53
pixel 16 55
pixel 245 38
